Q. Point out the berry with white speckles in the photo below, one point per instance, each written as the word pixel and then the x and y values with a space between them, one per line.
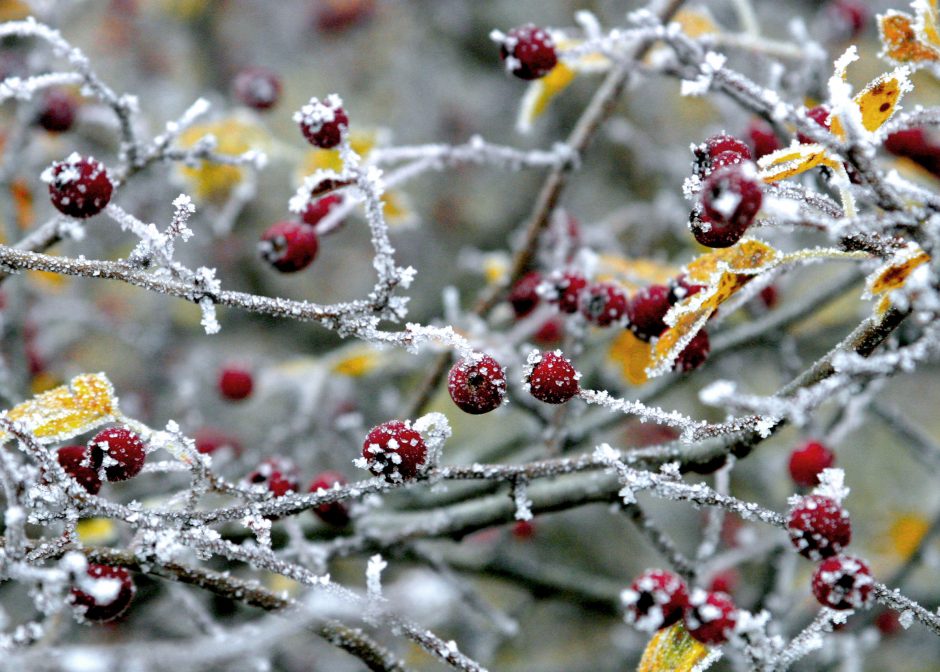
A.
pixel 843 582
pixel 120 451
pixel 527 51
pixel 105 595
pixel 277 475
pixel 819 527
pixel 477 384
pixel 78 186
pixel 655 599
pixel 323 122
pixel 710 617
pixel 395 451
pixel 333 513
pixel 258 88
pixel 289 246
pixel 563 289
pixel 77 464
pixel 551 378
pixel 603 304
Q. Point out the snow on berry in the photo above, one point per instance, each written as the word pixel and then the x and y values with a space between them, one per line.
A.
pixel 334 513
pixel 477 384
pixel 528 51
pixel 603 304
pixel 319 208
pixel 103 594
pixel 655 599
pixel 57 111
pixel 78 186
pixel 394 450
pixel 731 198
pixel 563 289
pixel 524 297
pixel 722 143
pixel 257 88
pixel 680 289
pixel 710 617
pixel 550 377
pixel 694 354
pixel 77 464
pixel 277 475
pixel 807 461
pixel 120 451
pixel 843 582
pixel 289 246
pixel 235 383
pixel 323 123
pixel 646 311
pixel 819 527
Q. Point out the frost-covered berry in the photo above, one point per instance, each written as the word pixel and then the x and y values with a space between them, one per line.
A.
pixel 710 617
pixel 722 143
pixel 731 198
pixel 120 451
pixel 319 208
pixel 323 123
pixel 680 288
pixel 807 461
pixel 394 450
pixel 564 290
pixel 104 594
pixel 277 475
pixel 235 383
pixel 550 333
pixel 210 439
pixel 646 311
pixel 656 599
pixel 477 384
pixel 527 51
pixel 819 527
pixel 551 378
pixel 843 582
pixel 603 304
pixel 75 460
pixel 289 246
pixel 524 296
pixel 762 138
pixel 694 354
pixel 334 513
pixel 57 111
pixel 79 186
pixel 819 114
pixel 257 88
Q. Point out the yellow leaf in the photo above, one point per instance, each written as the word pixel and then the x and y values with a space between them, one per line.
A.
pixel 878 101
pixel 13 10
pixel 540 93
pixel 632 355
pixel 96 531
pixel 48 280
pixel 362 142
pixel 793 160
pixel 896 271
pixel 357 361
pixel 672 650
pixel 68 410
pixel 927 20
pixel 905 533
pixel 397 209
pixel 747 256
pixel 901 42
pixel 695 22
pixel 234 135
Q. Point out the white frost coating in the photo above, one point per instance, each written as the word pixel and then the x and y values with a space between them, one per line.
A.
pixel 435 429
pixel 644 412
pixel 702 83
pixel 209 320
pixel 374 576
pixel 522 501
pixel 832 485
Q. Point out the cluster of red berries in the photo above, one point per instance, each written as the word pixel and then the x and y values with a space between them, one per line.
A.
pixel 78 186
pixel 646 314
pixel 112 593
pixel 290 246
pixel 658 599
pixel 528 51
pixel 119 451
pixel 820 529
pixel 281 476
pixel 731 191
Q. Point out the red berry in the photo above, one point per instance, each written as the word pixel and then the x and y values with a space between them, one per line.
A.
pixel 57 111
pixel 769 296
pixel 843 582
pixel 108 596
pixel 524 297
pixel 888 623
pixel 335 513
pixel 277 475
pixel 322 123
pixel 550 333
pixel 819 114
pixel 646 311
pixel 528 52
pixel 235 383
pixel 680 289
pixel 694 354
pixel 523 530
pixel 209 440
pixel 477 384
pixel 258 88
pixel 289 246
pixel 551 378
pixel 713 233
pixel 333 16
pixel 715 146
pixel 819 527
pixel 911 142
pixel 763 139
pixel 319 208
pixel 125 453
pixel 565 290
pixel 394 450
pixel 75 460
pixel 655 599
pixel 603 304
pixel 850 15
pixel 731 198
pixel 710 617
pixel 79 186
pixel 725 581
pixel 807 462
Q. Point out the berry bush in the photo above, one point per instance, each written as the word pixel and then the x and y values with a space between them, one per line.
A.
pixel 514 335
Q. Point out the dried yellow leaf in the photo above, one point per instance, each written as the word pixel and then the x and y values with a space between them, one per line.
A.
pixel 793 160
pixel 902 43
pixel 672 650
pixel 541 92
pixel 632 355
pixel 896 271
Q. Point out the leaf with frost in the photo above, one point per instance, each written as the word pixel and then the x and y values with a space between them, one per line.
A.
pixel 632 355
pixel 909 40
pixel 672 649
pixel 793 160
pixel 895 272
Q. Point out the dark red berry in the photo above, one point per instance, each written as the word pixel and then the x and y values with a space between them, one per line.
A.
pixel 911 142
pixel 550 333
pixel 277 475
pixel 731 198
pixel 710 617
pixel 715 146
pixel 528 52
pixel 477 384
pixel 850 16
pixel 394 450
pixel 77 464
pixel 646 311
pixel 888 623
pixel 257 88
pixel 726 159
pixel 564 290
pixel 819 114
pixel 235 383
pixel 524 297
pixel 694 354
pixel 680 289
pixel 807 462
pixel 57 111
pixel 335 16
pixel 819 527
pixel 551 378
pixel 120 451
pixel 843 582
pixel 726 581
pixel 334 513
pixel 769 296
pixel 323 123
pixel 105 594
pixel 209 439
pixel 289 246
pixel 763 139
pixel 79 186
pixel 319 208
pixel 603 304
pixel 523 530
pixel 655 599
